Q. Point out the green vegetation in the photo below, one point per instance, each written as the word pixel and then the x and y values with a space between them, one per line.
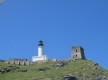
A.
pixel 81 69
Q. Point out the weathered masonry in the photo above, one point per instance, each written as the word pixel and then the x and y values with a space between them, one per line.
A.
pixel 18 61
pixel 78 53
pixel 2 60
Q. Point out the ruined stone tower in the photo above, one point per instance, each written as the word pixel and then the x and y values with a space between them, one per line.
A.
pixel 78 53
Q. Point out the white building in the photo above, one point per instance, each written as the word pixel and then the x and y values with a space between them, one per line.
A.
pixel 40 56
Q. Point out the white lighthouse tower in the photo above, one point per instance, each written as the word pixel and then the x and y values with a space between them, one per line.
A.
pixel 40 48
pixel 40 56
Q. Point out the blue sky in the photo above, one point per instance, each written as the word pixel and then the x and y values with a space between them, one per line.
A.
pixel 61 24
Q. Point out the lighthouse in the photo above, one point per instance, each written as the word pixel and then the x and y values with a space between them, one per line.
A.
pixel 40 57
pixel 40 48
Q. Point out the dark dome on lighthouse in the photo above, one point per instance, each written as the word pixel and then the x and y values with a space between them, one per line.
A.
pixel 40 43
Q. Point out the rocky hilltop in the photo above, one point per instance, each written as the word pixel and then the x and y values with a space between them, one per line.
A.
pixel 54 70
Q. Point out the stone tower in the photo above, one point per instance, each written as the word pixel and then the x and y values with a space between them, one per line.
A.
pixel 78 53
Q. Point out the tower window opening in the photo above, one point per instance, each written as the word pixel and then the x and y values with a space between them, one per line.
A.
pixel 76 55
pixel 76 50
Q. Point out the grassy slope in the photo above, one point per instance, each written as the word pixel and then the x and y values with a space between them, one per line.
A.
pixel 76 68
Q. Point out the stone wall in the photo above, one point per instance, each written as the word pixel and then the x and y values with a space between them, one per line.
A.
pixel 18 61
pixel 2 60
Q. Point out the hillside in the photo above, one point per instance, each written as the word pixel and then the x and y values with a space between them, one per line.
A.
pixel 60 70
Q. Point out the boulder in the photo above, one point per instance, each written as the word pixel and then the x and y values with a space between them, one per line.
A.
pixel 68 77
pixel 22 71
pixel 43 69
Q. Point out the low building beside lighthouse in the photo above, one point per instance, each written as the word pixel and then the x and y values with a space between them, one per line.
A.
pixel 40 56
